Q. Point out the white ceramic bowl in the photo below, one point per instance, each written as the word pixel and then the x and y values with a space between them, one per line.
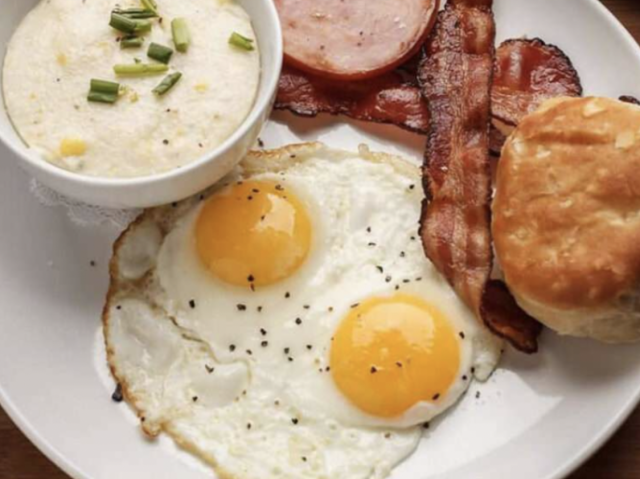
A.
pixel 166 187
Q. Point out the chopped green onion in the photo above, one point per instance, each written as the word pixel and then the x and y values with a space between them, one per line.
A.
pixel 139 69
pixel 160 52
pixel 103 91
pixel 98 97
pixel 131 41
pixel 150 5
pixel 142 26
pixel 103 86
pixel 181 35
pixel 136 13
pixel 122 23
pixel 167 84
pixel 239 41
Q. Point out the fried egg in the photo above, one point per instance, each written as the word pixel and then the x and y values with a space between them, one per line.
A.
pixel 286 323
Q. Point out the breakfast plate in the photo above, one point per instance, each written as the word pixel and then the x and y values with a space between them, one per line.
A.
pixel 538 416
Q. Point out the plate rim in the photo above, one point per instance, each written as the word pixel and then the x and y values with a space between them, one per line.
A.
pixel 562 471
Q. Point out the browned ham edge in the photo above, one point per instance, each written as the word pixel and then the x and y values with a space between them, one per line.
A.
pixel 456 79
pixel 355 39
pixel 390 98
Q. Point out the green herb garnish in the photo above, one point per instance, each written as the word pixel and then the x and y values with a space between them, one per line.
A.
pixel 240 41
pixel 131 41
pixel 140 69
pixel 150 5
pixel 142 26
pixel 167 84
pixel 136 13
pixel 122 23
pixel 181 35
pixel 160 53
pixel 103 91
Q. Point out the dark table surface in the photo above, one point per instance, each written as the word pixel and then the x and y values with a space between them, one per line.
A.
pixel 619 459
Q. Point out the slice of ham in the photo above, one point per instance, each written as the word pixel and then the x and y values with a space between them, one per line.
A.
pixel 385 99
pixel 353 39
pixel 456 79
pixel 527 73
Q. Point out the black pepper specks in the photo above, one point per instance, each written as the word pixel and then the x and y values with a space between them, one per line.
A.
pixel 248 426
pixel 287 350
pixel 263 331
pixel 380 269
pixel 295 421
pixel 165 142
pixel 232 347
pixel 298 321
pixel 355 305
pixel 464 378
pixel 209 369
pixel 426 425
pixel 374 369
pixel 117 394
pixel 192 304
pixel 287 295
pixel 309 347
pixel 92 264
pixel 264 344
pixel 242 307
pixel 461 334
pixel 436 396
pixel 477 394
pixel 194 398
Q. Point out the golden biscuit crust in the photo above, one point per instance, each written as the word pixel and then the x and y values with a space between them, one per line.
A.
pixel 566 215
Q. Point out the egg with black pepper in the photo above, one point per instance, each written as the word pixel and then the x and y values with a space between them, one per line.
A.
pixel 294 301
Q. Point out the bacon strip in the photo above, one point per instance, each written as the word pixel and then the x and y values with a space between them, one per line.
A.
pixel 504 317
pixel 386 99
pixel 456 79
pixel 629 99
pixel 528 72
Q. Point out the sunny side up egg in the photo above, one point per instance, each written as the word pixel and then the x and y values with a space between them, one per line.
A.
pixel 287 324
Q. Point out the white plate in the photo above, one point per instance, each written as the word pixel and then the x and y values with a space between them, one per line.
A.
pixel 538 417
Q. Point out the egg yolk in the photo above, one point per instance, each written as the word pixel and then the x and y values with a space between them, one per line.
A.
pixel 253 233
pixel 391 353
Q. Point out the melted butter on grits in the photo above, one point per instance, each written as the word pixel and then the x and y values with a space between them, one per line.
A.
pixel 62 44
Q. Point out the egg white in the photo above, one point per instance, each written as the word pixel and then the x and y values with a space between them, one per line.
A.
pixel 280 413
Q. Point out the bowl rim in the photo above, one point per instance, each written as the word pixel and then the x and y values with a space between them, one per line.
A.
pixel 262 103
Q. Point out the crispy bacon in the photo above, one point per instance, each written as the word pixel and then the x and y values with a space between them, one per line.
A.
pixel 630 99
pixel 506 319
pixel 456 79
pixel 386 99
pixel 528 72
